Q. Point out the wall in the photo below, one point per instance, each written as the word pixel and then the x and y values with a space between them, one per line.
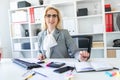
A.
pixel 4 28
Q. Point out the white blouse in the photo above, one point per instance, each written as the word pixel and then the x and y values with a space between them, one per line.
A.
pixel 49 41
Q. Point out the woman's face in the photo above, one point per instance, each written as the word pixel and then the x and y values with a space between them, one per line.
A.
pixel 51 18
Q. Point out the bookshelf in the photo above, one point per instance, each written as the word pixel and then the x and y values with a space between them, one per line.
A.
pixel 91 24
pixel 24 28
pixel 115 33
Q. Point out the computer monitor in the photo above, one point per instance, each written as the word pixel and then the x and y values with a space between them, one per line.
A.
pixel 83 41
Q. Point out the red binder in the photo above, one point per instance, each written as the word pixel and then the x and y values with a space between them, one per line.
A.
pixel 32 17
pixel 109 22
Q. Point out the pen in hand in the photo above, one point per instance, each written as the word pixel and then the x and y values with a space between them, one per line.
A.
pixel 84 55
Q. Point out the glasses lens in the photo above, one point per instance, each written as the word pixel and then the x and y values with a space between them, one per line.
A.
pixel 49 15
pixel 54 16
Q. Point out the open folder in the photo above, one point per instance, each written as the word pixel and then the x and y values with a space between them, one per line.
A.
pixel 93 66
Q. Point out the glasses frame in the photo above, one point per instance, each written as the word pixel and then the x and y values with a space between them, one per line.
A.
pixel 51 15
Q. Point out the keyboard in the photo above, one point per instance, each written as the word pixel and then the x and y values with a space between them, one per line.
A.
pixel 26 64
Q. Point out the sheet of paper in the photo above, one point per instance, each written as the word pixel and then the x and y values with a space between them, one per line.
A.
pixel 101 65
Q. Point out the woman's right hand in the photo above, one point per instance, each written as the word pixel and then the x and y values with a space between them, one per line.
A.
pixel 41 57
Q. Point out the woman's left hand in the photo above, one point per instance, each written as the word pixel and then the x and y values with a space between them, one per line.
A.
pixel 84 55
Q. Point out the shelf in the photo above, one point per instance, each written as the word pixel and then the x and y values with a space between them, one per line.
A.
pixel 19 9
pixel 98 48
pixel 34 37
pixel 112 12
pixel 90 16
pixel 114 32
pixel 116 48
pixel 22 50
pixel 21 38
pixel 20 22
pixel 35 23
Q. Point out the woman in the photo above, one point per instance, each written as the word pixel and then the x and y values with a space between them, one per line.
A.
pixel 55 42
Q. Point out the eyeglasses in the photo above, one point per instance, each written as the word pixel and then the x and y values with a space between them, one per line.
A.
pixel 49 15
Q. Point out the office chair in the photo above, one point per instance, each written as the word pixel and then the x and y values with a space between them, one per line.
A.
pixel 84 41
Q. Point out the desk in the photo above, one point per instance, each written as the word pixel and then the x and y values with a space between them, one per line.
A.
pixel 11 71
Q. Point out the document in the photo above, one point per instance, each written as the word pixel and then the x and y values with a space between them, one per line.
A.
pixel 93 66
pixel 47 73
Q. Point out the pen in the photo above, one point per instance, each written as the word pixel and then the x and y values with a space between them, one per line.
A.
pixel 26 72
pixel 28 77
pixel 40 74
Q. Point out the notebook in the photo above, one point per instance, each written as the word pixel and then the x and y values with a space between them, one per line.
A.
pixel 93 66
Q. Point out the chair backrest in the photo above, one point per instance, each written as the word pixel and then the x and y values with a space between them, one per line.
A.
pixel 84 41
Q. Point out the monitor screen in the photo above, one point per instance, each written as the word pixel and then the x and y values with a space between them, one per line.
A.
pixel 83 42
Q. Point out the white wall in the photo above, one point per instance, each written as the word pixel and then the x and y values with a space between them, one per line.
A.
pixel 4 28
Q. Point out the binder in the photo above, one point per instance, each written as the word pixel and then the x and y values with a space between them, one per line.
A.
pixel 109 22
pixel 38 12
pixel 32 17
pixel 19 16
pixel 116 21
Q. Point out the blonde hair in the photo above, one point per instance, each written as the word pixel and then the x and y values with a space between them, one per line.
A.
pixel 59 24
